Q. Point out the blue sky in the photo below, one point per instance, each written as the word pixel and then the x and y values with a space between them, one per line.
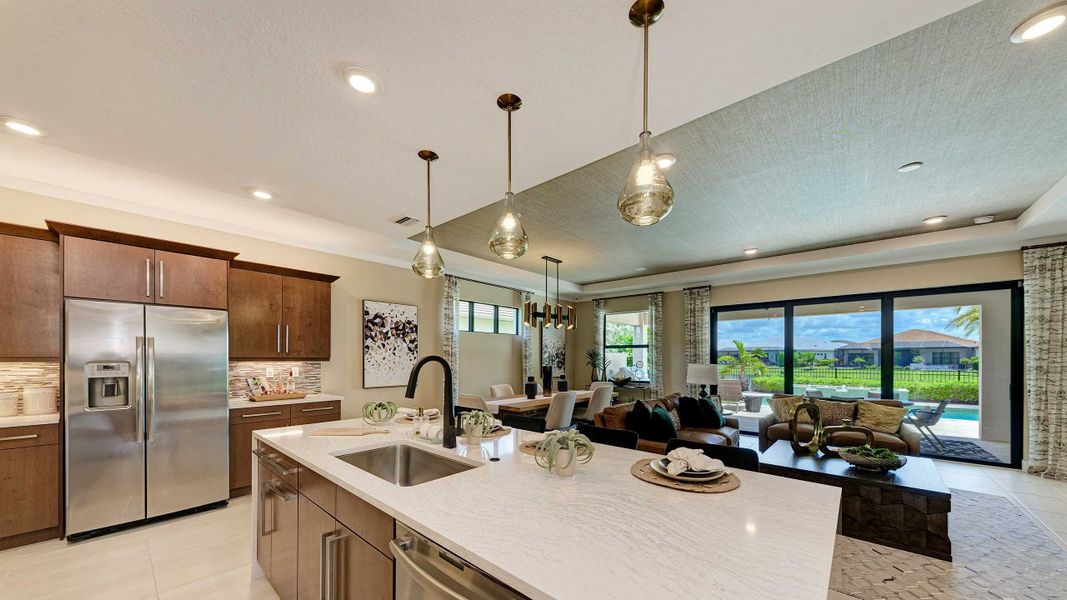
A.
pixel 856 327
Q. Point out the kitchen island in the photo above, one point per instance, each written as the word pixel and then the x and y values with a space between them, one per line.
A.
pixel 600 534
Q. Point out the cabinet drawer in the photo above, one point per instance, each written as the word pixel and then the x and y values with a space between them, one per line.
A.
pixel 317 488
pixel 31 435
pixel 279 464
pixel 278 412
pixel 368 522
pixel 317 409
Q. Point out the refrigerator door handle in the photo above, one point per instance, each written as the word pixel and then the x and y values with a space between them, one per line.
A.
pixel 150 388
pixel 138 375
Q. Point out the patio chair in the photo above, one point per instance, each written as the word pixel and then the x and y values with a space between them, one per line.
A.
pixel 813 394
pixel 730 392
pixel 924 418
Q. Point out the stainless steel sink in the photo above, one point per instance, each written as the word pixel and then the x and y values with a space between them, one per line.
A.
pixel 404 465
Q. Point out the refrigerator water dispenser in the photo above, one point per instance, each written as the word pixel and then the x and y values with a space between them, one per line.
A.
pixel 108 385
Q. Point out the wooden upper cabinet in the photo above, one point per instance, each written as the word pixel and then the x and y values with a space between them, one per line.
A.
pixel 31 294
pixel 306 317
pixel 106 271
pixel 187 280
pixel 278 313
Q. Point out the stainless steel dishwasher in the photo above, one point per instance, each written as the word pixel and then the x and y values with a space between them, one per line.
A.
pixel 426 571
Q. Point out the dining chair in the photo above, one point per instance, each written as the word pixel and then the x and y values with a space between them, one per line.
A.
pixel 501 390
pixel 560 411
pixel 730 392
pixel 622 438
pixel 474 401
pixel 601 399
pixel 731 456
pixel 535 424
pixel 593 386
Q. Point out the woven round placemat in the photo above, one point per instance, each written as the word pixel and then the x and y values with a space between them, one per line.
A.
pixel 528 447
pixel 642 470
pixel 496 435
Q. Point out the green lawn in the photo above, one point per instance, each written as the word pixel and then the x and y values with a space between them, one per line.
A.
pixel 933 386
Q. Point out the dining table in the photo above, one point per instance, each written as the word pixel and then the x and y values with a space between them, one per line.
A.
pixel 522 404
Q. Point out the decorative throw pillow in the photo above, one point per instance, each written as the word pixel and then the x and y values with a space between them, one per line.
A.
pixel 638 419
pixel 661 428
pixel 783 406
pixel 879 417
pixel 835 413
pixel 675 418
pixel 701 413
pixel 712 413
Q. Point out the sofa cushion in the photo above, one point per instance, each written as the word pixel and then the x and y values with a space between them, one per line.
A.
pixel 879 417
pixel 731 435
pixel 700 413
pixel 639 419
pixel 783 406
pixel 661 428
pixel 832 412
pixel 613 417
pixel 780 431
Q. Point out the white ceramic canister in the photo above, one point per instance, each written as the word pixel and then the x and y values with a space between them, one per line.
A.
pixel 39 400
pixel 9 404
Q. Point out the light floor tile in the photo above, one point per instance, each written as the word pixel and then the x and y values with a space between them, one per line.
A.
pixel 1036 486
pixel 235 584
pixel 1046 503
pixel 1055 521
pixel 115 572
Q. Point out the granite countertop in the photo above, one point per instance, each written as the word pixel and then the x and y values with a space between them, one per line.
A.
pixel 602 533
pixel 244 403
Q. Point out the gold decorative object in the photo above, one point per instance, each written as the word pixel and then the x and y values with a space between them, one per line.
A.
pixel 828 432
pixel 811 446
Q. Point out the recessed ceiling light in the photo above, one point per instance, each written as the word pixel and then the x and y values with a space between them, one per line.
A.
pixel 983 219
pixel 1040 24
pixel 934 220
pixel 908 168
pixel 23 127
pixel 641 269
pixel 361 80
pixel 261 193
pixel 665 161
pixel 751 251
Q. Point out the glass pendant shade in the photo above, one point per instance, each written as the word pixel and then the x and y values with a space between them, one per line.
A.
pixel 509 240
pixel 647 197
pixel 428 262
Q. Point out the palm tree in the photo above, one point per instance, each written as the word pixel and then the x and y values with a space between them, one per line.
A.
pixel 745 363
pixel 968 319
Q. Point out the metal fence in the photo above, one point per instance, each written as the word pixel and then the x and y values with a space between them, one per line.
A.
pixel 875 374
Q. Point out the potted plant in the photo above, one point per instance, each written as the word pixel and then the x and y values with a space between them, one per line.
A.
pixel 376 413
pixel 474 424
pixel 559 451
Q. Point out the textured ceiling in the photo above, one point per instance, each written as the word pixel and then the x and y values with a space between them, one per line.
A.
pixel 812 162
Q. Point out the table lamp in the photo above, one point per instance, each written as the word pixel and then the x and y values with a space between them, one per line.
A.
pixel 702 375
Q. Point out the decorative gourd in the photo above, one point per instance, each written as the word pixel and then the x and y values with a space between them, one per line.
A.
pixel 376 413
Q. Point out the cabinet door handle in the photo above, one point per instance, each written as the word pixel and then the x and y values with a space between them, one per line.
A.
pixel 19 437
pixel 328 565
pixel 161 279
pixel 148 278
pixel 276 462
pixel 285 496
pixel 264 500
pixel 287 339
pixel 316 409
pixel 278 336
pixel 262 414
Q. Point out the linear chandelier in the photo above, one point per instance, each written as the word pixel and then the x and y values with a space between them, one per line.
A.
pixel 559 316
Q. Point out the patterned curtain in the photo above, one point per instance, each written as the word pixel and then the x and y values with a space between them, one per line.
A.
pixel 598 330
pixel 655 343
pixel 696 329
pixel 1045 288
pixel 529 367
pixel 450 329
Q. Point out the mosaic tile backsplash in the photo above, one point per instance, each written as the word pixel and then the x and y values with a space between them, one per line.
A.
pixel 16 375
pixel 309 380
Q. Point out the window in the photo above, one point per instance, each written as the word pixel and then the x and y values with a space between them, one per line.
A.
pixel 751 347
pixel 946 358
pixel 626 344
pixel 488 318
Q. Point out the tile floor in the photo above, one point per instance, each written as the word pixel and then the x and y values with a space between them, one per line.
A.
pixel 207 556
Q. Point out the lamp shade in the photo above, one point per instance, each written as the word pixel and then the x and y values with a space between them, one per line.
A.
pixel 705 374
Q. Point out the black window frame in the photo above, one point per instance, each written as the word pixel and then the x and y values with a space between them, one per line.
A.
pixel 496 318
pixel 606 346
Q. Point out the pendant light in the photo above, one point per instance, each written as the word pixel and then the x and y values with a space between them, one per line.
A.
pixel 509 240
pixel 647 197
pixel 558 317
pixel 428 262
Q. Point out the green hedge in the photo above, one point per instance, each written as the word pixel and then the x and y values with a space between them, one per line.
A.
pixel 961 392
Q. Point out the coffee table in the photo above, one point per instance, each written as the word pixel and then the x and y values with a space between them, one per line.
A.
pixel 906 509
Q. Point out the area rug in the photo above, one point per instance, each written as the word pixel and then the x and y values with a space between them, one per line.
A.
pixel 998 553
pixel 957 449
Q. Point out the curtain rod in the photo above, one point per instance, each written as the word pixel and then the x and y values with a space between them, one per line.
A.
pixel 626 296
pixel 489 284
pixel 1050 245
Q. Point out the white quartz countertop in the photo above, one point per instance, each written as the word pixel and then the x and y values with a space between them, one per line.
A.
pixel 602 533
pixel 23 420
pixel 243 403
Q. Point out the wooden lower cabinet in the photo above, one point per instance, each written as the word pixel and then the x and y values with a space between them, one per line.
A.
pixel 330 560
pixel 241 453
pixel 29 484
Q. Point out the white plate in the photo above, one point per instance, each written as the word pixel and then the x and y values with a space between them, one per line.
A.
pixel 660 467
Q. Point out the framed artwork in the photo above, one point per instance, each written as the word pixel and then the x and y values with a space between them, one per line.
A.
pixel 554 343
pixel 390 343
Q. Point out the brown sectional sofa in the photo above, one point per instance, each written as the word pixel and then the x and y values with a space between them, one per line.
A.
pixel 614 417
pixel 904 441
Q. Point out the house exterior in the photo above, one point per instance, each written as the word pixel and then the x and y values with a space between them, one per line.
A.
pixel 775 349
pixel 937 350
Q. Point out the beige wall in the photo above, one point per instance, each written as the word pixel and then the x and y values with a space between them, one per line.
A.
pixel 488 358
pixel 1001 266
pixel 359 280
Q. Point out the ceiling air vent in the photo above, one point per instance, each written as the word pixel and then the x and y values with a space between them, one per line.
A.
pixel 406 221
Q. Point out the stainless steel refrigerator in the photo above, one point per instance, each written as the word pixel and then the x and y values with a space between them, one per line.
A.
pixel 147 419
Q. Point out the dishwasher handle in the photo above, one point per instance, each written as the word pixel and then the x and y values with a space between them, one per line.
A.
pixel 403 561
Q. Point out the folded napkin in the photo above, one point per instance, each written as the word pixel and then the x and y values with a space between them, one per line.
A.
pixel 691 459
pixel 431 432
pixel 414 412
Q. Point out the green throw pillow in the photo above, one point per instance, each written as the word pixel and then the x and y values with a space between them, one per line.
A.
pixel 661 427
pixel 711 413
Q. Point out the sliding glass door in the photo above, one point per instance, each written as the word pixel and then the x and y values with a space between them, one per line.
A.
pixel 749 346
pixel 837 349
